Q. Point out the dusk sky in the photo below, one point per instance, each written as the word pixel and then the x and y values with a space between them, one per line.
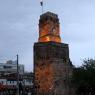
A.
pixel 19 28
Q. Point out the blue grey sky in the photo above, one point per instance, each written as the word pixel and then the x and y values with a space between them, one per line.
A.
pixel 19 28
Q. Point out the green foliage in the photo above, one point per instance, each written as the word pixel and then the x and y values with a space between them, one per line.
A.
pixel 84 78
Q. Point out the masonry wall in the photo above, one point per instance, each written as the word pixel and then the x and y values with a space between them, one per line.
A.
pixel 52 68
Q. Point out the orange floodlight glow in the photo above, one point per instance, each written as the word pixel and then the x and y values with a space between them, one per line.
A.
pixel 47 38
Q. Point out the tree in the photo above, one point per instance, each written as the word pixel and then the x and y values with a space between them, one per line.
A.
pixel 84 78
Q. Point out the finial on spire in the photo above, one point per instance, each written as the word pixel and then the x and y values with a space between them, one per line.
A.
pixel 41 3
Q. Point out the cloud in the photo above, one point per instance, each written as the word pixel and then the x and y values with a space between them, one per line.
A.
pixel 19 28
pixel 18 24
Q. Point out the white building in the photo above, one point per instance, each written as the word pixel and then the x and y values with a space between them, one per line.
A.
pixel 11 67
pixel 13 82
pixel 8 78
pixel 8 83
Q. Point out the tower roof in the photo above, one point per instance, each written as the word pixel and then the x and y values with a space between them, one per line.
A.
pixel 49 15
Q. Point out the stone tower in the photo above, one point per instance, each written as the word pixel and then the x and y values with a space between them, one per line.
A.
pixel 52 66
pixel 49 28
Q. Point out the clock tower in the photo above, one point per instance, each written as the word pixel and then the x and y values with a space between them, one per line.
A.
pixel 52 66
pixel 49 29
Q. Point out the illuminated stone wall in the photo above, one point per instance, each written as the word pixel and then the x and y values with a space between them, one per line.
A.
pixel 51 68
pixel 49 29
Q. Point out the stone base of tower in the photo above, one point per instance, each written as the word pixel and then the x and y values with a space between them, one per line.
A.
pixel 52 69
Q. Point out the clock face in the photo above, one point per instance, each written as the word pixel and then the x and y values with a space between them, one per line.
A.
pixel 54 29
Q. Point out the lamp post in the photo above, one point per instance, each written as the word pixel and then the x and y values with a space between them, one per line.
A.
pixel 17 76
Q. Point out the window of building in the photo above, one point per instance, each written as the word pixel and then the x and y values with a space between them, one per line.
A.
pixel 7 67
pixel 1 82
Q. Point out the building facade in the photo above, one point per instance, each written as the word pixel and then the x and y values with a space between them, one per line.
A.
pixel 9 76
pixel 11 67
pixel 52 66
pixel 8 84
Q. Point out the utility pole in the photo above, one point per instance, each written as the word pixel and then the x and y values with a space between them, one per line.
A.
pixel 17 76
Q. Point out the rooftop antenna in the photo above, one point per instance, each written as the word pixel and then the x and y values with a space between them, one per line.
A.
pixel 41 3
